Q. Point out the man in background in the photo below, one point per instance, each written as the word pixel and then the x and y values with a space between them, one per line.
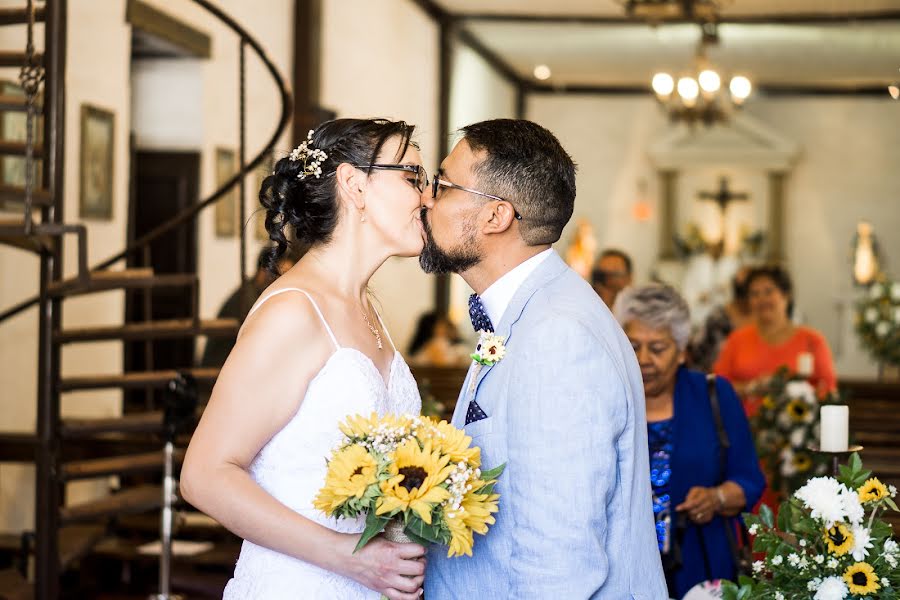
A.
pixel 238 305
pixel 611 275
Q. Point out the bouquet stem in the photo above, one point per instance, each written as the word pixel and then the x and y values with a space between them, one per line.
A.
pixel 393 532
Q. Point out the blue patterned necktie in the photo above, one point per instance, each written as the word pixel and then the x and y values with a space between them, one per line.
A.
pixel 477 313
pixel 481 322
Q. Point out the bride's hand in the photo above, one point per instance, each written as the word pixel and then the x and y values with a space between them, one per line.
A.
pixel 395 570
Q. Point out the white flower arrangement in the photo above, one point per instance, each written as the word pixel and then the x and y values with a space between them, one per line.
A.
pixel 312 158
pixel 828 541
pixel 878 321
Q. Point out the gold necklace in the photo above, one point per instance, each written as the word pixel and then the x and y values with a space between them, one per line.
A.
pixel 373 330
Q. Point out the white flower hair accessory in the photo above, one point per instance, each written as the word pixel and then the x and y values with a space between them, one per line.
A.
pixel 490 349
pixel 312 158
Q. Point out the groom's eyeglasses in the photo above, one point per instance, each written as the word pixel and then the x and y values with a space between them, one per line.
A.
pixel 438 183
pixel 420 182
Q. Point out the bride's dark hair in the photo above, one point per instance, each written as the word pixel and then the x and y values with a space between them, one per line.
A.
pixel 304 212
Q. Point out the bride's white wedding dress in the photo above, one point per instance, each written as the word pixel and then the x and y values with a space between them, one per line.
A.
pixel 291 467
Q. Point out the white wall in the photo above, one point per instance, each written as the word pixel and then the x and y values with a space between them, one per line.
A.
pixel 380 59
pixel 848 171
pixel 98 72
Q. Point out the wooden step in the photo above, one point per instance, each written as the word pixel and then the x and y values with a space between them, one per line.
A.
pixel 149 422
pixel 14 587
pixel 16 16
pixel 12 233
pixel 117 465
pixel 101 281
pixel 12 197
pixel 131 501
pixel 19 148
pixel 76 541
pixel 150 330
pixel 16 59
pixel 135 380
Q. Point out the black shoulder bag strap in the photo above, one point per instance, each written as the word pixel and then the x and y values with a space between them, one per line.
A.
pixel 724 444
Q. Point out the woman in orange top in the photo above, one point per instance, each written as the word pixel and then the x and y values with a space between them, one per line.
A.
pixel 753 353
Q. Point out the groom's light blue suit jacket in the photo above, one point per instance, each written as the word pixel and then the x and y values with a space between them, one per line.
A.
pixel 565 412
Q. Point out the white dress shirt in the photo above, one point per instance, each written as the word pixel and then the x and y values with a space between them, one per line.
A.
pixel 498 296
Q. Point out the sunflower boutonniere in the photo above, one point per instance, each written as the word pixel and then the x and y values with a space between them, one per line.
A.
pixel 490 349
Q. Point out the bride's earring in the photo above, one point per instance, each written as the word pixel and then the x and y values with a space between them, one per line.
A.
pixel 362 219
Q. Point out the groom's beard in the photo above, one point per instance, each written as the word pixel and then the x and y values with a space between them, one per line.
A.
pixel 462 258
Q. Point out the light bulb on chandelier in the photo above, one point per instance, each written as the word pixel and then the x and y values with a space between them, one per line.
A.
pixel 663 85
pixel 740 88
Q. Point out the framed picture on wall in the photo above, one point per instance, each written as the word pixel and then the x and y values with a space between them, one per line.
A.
pixel 96 169
pixel 226 213
pixel 12 129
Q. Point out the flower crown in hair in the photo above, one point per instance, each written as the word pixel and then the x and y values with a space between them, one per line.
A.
pixel 312 158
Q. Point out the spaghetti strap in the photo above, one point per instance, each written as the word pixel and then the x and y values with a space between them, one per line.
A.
pixel 383 328
pixel 314 305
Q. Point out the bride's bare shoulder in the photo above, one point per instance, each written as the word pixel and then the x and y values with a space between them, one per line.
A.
pixel 285 313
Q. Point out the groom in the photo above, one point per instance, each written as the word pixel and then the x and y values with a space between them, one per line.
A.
pixel 564 408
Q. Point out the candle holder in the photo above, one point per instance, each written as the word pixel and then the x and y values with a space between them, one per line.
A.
pixel 836 456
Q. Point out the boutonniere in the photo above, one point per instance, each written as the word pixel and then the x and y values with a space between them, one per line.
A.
pixel 490 349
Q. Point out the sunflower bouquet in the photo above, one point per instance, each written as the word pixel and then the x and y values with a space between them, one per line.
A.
pixel 413 475
pixel 828 543
pixel 786 425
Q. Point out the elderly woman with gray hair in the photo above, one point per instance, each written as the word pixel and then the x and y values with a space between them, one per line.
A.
pixel 703 466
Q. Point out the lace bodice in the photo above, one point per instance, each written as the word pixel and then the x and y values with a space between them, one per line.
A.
pixel 291 467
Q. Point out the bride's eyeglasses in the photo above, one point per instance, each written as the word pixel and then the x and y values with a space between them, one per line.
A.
pixel 420 182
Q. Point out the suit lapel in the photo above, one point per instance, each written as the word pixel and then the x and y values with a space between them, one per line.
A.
pixel 551 268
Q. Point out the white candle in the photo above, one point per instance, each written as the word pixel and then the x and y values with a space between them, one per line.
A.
pixel 834 428
pixel 805 364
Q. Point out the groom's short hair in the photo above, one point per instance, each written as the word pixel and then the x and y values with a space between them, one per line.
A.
pixel 525 164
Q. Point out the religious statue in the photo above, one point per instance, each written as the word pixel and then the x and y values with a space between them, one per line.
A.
pixel 581 251
pixel 865 255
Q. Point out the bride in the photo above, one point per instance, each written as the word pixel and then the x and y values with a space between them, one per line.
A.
pixel 312 351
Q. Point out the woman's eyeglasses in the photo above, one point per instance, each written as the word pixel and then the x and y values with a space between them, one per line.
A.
pixel 438 183
pixel 421 179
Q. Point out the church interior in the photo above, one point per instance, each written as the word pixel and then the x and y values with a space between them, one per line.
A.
pixel 711 137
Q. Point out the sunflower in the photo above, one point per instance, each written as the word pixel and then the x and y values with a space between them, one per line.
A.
pixel 351 471
pixel 415 476
pixel 452 442
pixel 861 579
pixel 358 426
pixel 798 410
pixel 802 462
pixel 478 511
pixel 838 539
pixel 461 539
pixel 872 490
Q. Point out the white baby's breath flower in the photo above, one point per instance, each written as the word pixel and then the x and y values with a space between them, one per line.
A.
pixel 890 546
pixel 862 541
pixel 832 588
pixel 793 559
pixel 832 563
pixel 803 543
pixel 777 560
pixel 882 329
pixel 753 529
pixel 779 596
pixel 892 490
pixel 758 566
pixel 813 584
pixel 804 563
pixel 819 559
pixel 885 583
pixel 891 560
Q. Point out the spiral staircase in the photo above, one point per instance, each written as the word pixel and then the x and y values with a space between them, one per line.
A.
pixel 65 450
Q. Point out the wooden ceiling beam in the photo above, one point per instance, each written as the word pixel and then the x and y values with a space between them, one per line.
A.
pixel 768 19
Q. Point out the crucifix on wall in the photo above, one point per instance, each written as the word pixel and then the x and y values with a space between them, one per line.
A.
pixel 723 197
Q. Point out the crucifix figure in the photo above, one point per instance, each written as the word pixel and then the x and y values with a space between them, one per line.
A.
pixel 723 197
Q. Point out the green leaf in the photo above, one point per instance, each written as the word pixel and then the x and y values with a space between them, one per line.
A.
pixel 415 538
pixel 420 529
pixel 890 502
pixel 765 514
pixel 494 473
pixel 784 517
pixel 374 525
pixel 855 462
pixel 487 489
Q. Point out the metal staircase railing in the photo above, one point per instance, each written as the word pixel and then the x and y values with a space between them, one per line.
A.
pixel 56 541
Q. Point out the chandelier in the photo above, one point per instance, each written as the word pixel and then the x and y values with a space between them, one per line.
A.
pixel 698 95
pixel 673 10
